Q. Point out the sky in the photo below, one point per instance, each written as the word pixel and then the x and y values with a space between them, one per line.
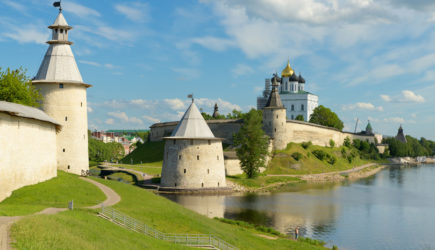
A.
pixel 366 60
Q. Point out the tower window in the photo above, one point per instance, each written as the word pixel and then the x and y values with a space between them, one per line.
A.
pixel 66 118
pixel 174 141
pixel 81 104
pixel 276 116
pixel 218 157
pixel 55 30
pixel 275 129
pixel 184 170
pixel 197 157
pixel 208 171
pixel 218 184
pixel 69 166
pixel 191 142
pixel 63 150
pixel 209 142
pixel 61 85
pixel 179 157
pixel 61 31
pixel 202 184
pixel 175 184
pixel 293 108
pixel 302 107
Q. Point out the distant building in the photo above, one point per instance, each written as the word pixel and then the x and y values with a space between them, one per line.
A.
pixel 216 111
pixel 295 99
pixel 400 135
pixel 127 141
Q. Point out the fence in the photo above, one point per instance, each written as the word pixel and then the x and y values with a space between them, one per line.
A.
pixel 193 240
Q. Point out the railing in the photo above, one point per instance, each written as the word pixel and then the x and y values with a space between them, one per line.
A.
pixel 193 240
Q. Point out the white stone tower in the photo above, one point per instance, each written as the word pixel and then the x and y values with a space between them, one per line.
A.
pixel 274 118
pixel 64 92
pixel 193 156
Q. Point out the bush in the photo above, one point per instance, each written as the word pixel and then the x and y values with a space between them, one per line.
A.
pixel 334 247
pixel 307 144
pixel 347 142
pixel 331 143
pixel 319 154
pixel 297 156
pixel 349 159
pixel 331 159
pixel 343 153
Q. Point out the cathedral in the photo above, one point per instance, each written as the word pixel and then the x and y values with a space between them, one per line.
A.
pixel 295 99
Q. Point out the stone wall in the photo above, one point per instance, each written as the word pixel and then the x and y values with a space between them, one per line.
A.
pixel 193 164
pixel 27 152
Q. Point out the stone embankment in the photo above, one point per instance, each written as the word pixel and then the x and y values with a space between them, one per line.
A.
pixel 412 160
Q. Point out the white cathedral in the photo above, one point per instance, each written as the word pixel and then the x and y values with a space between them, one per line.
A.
pixel 295 99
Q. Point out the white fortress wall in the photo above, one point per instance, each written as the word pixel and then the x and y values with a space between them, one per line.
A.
pixel 27 152
pixel 68 106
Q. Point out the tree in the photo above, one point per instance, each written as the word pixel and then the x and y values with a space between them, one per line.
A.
pixel 324 116
pixel 16 87
pixel 299 118
pixel 251 144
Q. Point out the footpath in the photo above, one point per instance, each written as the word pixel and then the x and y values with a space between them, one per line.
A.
pixel 6 221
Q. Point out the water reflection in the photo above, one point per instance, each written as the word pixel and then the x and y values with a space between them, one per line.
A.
pixel 391 210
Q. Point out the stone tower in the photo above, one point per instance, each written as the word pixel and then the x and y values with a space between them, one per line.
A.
pixel 274 118
pixel 59 81
pixel 193 156
pixel 400 135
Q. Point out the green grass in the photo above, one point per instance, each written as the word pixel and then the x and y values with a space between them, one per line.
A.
pixel 262 181
pixel 170 217
pixel 154 168
pixel 149 152
pixel 284 163
pixel 79 229
pixel 121 176
pixel 56 192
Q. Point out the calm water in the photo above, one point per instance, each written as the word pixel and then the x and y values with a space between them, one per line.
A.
pixel 394 209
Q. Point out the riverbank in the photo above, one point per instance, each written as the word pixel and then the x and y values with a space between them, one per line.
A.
pixel 412 160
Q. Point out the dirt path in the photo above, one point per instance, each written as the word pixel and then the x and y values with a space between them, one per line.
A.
pixel 143 178
pixel 6 221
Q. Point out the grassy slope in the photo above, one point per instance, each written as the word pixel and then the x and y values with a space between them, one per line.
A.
pixel 283 162
pixel 262 181
pixel 56 192
pixel 149 152
pixel 79 229
pixel 172 218
pixel 149 168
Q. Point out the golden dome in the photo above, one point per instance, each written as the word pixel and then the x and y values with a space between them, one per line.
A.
pixel 287 71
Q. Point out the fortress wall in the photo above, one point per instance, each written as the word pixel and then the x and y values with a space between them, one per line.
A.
pixel 27 152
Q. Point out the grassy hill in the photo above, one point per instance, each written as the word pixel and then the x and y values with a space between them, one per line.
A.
pixel 56 192
pixel 82 229
pixel 149 152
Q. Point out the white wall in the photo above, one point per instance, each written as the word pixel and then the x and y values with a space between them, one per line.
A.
pixel 27 152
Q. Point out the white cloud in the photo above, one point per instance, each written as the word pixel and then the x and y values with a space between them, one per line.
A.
pixel 135 120
pixel 406 96
pixel 214 43
pixel 79 10
pixel 394 120
pixel 151 119
pixel 90 110
pixel 27 34
pixel 110 121
pixel 90 63
pixel 120 115
pixel 136 12
pixel 109 66
pixel 363 105
pixel 175 104
pixel 242 69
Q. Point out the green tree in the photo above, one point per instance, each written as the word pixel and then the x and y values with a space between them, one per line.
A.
pixel 324 116
pixel 251 144
pixel 299 118
pixel 16 87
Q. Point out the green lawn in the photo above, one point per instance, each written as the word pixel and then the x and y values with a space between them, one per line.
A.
pixel 56 192
pixel 154 168
pixel 262 181
pixel 284 163
pixel 79 229
pixel 149 152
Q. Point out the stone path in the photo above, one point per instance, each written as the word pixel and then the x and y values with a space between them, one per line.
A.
pixel 6 221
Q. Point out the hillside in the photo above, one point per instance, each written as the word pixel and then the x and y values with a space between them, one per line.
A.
pixel 82 229
pixel 149 152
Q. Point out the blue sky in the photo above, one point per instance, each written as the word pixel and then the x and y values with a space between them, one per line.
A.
pixel 364 59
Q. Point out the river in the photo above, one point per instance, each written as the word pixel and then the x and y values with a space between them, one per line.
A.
pixel 394 209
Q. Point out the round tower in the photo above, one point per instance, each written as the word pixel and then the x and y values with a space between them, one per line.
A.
pixel 59 81
pixel 274 118
pixel 193 156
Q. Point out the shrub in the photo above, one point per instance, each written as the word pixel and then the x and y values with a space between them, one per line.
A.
pixel 319 154
pixel 343 153
pixel 331 159
pixel 349 159
pixel 347 142
pixel 307 144
pixel 297 156
pixel 331 143
pixel 334 247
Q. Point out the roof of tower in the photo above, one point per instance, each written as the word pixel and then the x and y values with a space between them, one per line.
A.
pixel 59 64
pixel 274 100
pixel 192 125
pixel 294 78
pixel 19 110
pixel 400 135
pixel 287 71
pixel 60 22
pixel 301 79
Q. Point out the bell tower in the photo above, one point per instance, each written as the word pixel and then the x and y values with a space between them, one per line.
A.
pixel 59 81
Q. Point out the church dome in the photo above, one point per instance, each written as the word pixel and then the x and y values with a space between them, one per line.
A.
pixel 301 79
pixel 294 78
pixel 287 71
